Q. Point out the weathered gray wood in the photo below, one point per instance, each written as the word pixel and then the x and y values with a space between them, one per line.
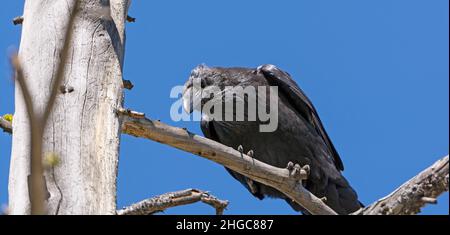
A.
pixel 409 198
pixel 83 129
pixel 169 200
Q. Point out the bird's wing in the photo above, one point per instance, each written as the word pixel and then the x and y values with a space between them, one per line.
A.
pixel 298 99
pixel 209 131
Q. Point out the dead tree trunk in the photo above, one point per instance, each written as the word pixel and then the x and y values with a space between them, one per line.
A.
pixel 83 129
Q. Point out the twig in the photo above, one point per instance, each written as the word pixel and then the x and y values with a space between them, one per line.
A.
pixel 279 178
pixel 169 200
pixel 39 121
pixel 18 20
pixel 127 84
pixel 429 200
pixel 5 125
pixel 416 193
pixel 131 19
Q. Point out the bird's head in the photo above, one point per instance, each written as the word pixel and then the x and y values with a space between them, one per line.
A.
pixel 206 83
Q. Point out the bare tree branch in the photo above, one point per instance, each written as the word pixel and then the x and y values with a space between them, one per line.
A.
pixel 5 125
pixel 286 180
pixel 416 193
pixel 168 200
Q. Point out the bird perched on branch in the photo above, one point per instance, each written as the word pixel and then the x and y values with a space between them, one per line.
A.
pixel 292 134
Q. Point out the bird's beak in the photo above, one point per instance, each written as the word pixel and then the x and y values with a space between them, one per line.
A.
pixel 188 101
pixel 192 93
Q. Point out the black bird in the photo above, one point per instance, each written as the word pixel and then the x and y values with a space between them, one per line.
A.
pixel 299 138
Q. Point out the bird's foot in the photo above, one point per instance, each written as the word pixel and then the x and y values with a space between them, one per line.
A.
pixel 250 153
pixel 297 172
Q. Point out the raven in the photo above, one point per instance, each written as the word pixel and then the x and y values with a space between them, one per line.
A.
pixel 299 138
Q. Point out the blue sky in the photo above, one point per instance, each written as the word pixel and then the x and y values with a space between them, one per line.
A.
pixel 377 71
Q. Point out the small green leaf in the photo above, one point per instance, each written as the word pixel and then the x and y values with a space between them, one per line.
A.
pixel 8 117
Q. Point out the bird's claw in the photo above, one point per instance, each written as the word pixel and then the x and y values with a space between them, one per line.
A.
pixel 290 166
pixel 250 153
pixel 307 169
pixel 240 149
pixel 297 172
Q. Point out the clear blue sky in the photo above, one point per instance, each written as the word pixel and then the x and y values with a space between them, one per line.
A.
pixel 377 71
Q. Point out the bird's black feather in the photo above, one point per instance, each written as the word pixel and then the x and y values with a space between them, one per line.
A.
pixel 300 137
